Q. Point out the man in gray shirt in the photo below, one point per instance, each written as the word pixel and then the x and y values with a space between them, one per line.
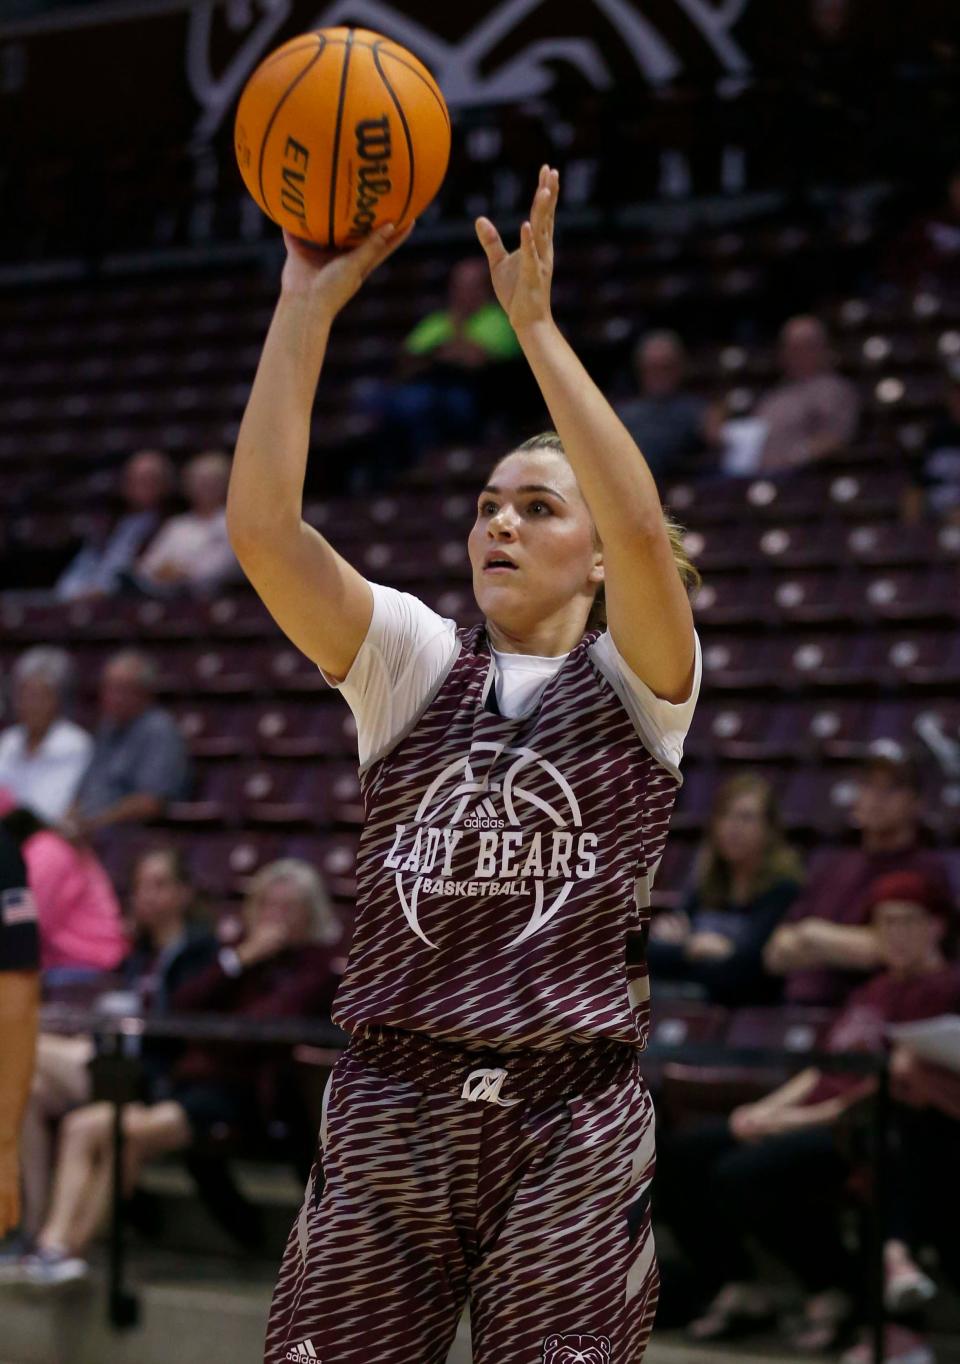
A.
pixel 667 421
pixel 139 762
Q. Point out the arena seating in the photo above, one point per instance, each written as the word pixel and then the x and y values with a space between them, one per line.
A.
pixel 827 624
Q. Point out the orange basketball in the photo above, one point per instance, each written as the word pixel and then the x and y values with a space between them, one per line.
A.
pixel 340 131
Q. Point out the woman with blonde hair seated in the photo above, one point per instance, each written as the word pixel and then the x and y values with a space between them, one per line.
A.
pixel 745 879
pixel 287 965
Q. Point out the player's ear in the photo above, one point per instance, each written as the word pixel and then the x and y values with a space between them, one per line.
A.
pixel 598 571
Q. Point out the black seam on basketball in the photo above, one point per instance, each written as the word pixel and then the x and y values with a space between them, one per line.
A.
pixel 336 137
pixel 406 131
pixel 291 52
pixel 420 77
pixel 269 128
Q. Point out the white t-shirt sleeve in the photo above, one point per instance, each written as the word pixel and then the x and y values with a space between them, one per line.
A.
pixel 406 653
pixel 663 725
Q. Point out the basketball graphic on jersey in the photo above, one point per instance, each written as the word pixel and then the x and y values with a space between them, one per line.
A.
pixel 576 1350
pixel 501 821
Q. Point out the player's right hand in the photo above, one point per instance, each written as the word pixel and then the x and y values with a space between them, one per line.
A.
pixel 329 279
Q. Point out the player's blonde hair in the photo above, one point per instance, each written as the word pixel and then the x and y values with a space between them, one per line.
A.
pixel 689 573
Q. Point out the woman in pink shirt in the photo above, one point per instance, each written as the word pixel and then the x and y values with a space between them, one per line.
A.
pixel 81 924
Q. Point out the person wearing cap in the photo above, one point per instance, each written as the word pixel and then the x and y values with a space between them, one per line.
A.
pixel 774 1171
pixel 826 944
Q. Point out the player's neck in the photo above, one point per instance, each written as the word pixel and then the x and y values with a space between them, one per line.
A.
pixel 549 638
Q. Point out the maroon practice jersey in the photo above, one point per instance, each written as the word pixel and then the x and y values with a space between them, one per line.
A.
pixel 504 872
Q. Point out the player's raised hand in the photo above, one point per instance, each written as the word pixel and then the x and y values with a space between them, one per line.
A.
pixel 522 278
pixel 331 278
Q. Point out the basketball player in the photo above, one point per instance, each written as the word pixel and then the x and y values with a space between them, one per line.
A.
pixel 487 1134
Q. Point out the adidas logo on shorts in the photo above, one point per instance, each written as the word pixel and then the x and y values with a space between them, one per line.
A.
pixel 302 1351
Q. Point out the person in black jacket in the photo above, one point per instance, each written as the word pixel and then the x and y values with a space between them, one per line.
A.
pixel 745 880
pixel 169 947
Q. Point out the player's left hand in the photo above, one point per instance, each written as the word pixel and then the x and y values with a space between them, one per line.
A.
pixel 522 278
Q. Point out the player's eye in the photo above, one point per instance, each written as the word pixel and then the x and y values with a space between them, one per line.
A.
pixel 488 508
pixel 539 507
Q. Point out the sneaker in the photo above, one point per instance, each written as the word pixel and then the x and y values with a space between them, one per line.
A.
pixel 907 1288
pixel 899 1347
pixel 46 1268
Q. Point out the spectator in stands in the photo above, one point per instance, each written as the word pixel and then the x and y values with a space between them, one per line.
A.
pixel 827 944
pixel 44 755
pixel 286 966
pixel 667 421
pixel 170 945
pixel 774 1170
pixel 814 412
pixel 191 552
pixel 936 491
pixel 745 880
pixel 19 1001
pixel 147 484
pixel 139 761
pixel 81 926
pixel 447 359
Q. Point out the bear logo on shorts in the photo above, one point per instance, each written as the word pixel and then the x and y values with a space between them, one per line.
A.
pixel 576 1350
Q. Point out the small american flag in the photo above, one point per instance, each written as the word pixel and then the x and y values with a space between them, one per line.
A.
pixel 17 907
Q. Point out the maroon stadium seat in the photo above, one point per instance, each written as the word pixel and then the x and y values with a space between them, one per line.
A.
pixel 286 793
pixel 810 596
pixel 216 730
pixel 304 729
pixel 819 799
pixel 215 798
pixel 915 656
pixel 791 1027
pixel 222 863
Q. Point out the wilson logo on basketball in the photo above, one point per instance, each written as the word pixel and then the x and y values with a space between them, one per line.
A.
pixel 373 172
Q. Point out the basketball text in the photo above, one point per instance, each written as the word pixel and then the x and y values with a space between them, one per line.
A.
pixel 295 156
pixel 373 172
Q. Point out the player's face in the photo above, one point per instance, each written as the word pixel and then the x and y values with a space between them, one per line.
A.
pixel 533 547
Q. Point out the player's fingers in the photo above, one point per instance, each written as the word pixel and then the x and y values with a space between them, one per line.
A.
pixel 314 255
pixel 489 239
pixel 383 243
pixel 541 221
pixel 529 256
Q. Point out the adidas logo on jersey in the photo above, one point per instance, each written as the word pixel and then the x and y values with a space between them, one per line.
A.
pixel 303 1351
pixel 484 816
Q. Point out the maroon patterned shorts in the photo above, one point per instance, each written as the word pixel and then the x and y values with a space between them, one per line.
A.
pixel 518 1183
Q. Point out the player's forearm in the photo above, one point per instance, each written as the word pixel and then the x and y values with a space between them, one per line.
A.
pixel 270 460
pixel 613 475
pixel 19 1000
